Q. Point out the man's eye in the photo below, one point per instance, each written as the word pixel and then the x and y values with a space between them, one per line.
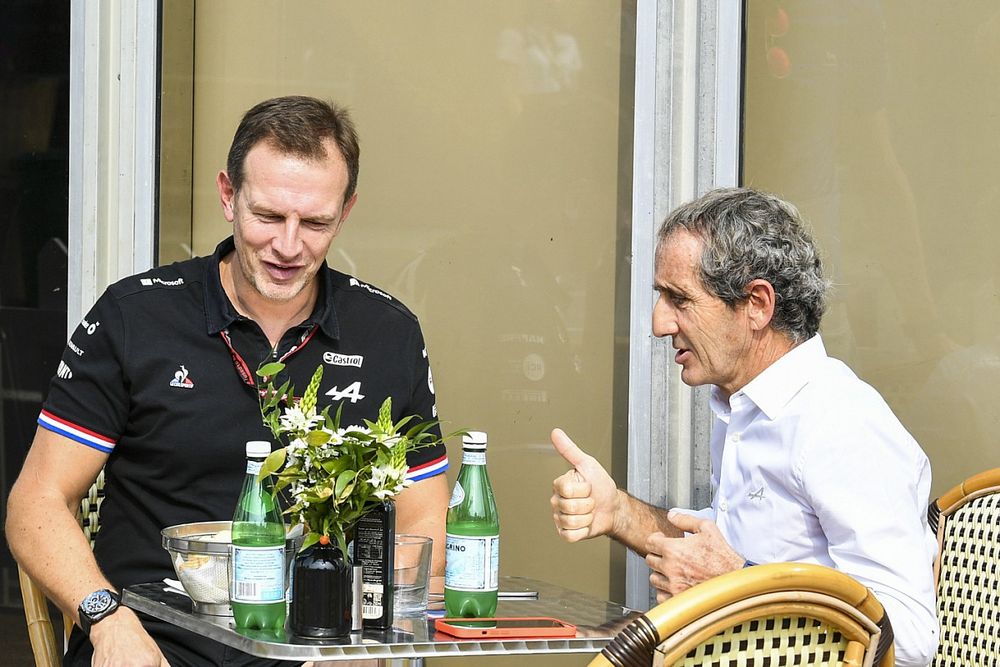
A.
pixel 263 217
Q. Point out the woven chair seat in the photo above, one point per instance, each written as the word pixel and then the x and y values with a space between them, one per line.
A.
pixel 967 519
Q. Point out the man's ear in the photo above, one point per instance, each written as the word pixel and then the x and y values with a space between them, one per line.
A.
pixel 760 303
pixel 227 196
pixel 346 211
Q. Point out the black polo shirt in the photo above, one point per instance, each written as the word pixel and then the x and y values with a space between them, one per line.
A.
pixel 160 375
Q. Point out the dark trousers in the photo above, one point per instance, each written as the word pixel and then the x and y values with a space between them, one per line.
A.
pixel 182 648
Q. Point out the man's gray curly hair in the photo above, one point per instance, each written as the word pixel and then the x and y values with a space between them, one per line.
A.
pixel 748 235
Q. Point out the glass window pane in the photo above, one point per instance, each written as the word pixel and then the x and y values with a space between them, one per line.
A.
pixel 877 120
pixel 494 200
pixel 34 189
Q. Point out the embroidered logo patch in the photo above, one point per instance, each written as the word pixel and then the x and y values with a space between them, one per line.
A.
pixel 335 359
pixel 181 379
pixel 149 282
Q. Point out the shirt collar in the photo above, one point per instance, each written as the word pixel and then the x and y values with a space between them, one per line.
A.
pixel 777 384
pixel 220 313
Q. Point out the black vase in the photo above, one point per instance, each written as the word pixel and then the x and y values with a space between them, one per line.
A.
pixel 321 593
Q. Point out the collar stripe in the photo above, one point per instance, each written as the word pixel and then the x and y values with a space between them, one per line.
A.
pixel 77 433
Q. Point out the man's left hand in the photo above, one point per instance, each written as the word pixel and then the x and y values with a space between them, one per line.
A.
pixel 678 563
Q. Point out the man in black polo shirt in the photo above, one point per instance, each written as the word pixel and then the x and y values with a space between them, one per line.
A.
pixel 157 384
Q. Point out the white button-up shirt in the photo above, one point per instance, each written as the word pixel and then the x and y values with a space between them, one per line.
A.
pixel 809 464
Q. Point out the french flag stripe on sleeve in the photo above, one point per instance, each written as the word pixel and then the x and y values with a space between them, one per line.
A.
pixel 73 432
pixel 429 469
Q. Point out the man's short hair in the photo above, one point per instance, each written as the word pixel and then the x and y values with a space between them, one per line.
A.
pixel 749 235
pixel 296 125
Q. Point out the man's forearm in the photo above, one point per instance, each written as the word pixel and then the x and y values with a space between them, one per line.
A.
pixel 421 510
pixel 636 520
pixel 48 543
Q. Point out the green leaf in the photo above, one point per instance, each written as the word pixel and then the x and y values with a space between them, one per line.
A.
pixel 272 463
pixel 311 539
pixel 343 479
pixel 271 369
pixel 333 467
pixel 316 438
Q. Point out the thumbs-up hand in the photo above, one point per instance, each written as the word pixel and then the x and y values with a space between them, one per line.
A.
pixel 585 500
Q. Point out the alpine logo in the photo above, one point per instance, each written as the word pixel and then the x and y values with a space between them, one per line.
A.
pixel 181 379
pixel 357 283
pixel 149 282
pixel 64 371
pixel 335 359
pixel 351 392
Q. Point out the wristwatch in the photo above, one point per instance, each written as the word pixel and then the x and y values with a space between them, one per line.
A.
pixel 96 606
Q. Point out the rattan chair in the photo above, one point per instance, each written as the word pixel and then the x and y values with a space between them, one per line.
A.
pixel 36 608
pixel 967 571
pixel 774 614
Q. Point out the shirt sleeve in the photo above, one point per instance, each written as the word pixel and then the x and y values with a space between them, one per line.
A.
pixel 88 399
pixel 427 461
pixel 868 483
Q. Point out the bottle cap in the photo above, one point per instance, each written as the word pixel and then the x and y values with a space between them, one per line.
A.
pixel 475 440
pixel 258 449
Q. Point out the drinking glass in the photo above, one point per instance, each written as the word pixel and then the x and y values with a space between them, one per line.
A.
pixel 412 571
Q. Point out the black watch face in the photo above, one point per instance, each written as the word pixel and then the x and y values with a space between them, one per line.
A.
pixel 97 602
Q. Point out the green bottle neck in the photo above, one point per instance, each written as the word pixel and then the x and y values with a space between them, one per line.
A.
pixel 475 457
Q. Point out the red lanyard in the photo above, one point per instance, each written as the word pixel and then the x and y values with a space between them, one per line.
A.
pixel 243 370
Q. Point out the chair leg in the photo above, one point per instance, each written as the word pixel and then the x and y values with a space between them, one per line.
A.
pixel 854 655
pixel 36 615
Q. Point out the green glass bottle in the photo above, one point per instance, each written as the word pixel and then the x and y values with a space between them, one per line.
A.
pixel 472 547
pixel 257 555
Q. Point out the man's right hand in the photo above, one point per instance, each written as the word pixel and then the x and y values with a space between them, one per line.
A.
pixel 585 501
pixel 120 639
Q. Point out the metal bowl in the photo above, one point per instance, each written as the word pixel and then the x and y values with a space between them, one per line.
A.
pixel 199 553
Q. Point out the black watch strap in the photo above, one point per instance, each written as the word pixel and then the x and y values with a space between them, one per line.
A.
pixel 98 605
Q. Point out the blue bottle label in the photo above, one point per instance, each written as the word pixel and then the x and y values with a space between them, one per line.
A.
pixel 258 574
pixel 472 563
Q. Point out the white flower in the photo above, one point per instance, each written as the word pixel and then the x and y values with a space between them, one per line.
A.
pixel 295 421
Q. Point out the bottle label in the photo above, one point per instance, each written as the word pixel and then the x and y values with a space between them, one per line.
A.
pixel 472 563
pixel 470 458
pixel 258 574
pixel 253 467
pixel 372 606
pixel 369 551
pixel 457 495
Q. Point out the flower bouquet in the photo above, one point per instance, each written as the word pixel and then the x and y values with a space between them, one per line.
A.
pixel 333 475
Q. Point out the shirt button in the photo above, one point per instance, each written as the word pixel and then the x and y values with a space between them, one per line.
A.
pixel 735 437
pixel 723 506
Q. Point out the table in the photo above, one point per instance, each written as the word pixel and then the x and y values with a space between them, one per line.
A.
pixel 412 638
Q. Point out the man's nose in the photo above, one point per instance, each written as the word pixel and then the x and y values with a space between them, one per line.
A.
pixel 288 242
pixel 664 321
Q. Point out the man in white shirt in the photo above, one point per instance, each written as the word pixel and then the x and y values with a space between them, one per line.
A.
pixel 809 464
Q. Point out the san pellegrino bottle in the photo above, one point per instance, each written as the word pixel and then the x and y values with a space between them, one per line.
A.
pixel 257 555
pixel 472 547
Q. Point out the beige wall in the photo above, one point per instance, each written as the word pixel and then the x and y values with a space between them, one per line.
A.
pixel 879 121
pixel 491 201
